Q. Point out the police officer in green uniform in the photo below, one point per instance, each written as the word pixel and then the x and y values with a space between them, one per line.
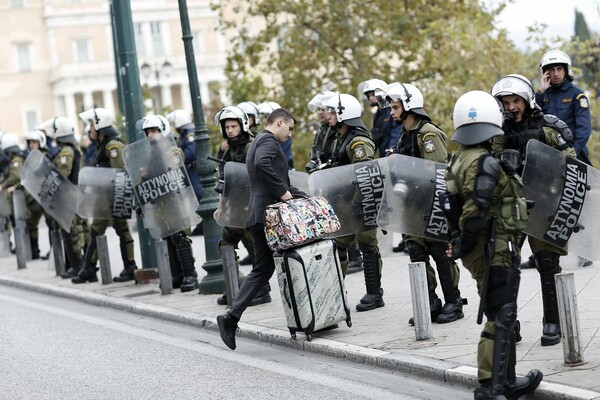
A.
pixel 108 154
pixel 486 216
pixel 422 139
pixel 353 144
pixel 524 121
pixel 68 161
pixel 181 257
pixel 235 128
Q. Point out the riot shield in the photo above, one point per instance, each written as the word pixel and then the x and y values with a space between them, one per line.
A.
pixel 233 207
pixel 410 202
pixel 55 193
pixel 565 191
pixel 21 232
pixel 355 192
pixel 5 212
pixel 106 193
pixel 161 185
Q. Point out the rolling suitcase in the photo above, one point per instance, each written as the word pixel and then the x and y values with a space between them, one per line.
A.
pixel 312 287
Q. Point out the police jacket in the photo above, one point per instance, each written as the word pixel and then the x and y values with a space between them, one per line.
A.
pixel 109 154
pixel 236 151
pixel 323 142
pixel 571 105
pixel 423 140
pixel 68 162
pixel 352 147
pixel 536 126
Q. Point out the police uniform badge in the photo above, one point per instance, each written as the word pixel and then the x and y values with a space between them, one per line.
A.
pixel 359 151
pixel 190 137
pixel 114 153
pixel 429 146
pixel 63 160
pixel 583 101
pixel 16 164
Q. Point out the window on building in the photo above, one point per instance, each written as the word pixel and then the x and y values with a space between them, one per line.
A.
pixel 16 3
pixel 82 50
pixel 32 120
pixel 24 57
pixel 139 40
pixel 157 39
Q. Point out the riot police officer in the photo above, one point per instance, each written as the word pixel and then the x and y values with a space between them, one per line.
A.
pixel 524 121
pixel 181 257
pixel 36 140
pixel 385 133
pixel 422 139
pixel 486 216
pixel 353 144
pixel 251 110
pixel 68 161
pixel 108 154
pixel 235 129
pixel 557 95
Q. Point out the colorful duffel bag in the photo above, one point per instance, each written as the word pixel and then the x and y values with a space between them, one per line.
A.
pixel 292 223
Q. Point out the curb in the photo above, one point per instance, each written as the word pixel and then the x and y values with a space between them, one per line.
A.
pixel 418 366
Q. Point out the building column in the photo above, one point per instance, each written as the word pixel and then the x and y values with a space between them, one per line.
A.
pixel 88 100
pixel 59 105
pixel 167 96
pixel 71 110
pixel 186 97
pixel 108 102
pixel 204 92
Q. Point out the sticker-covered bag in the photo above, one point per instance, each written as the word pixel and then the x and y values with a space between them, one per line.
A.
pixel 299 221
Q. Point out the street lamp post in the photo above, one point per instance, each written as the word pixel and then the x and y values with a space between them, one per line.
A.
pixel 165 70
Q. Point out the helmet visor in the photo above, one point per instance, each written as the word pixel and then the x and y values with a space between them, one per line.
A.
pixel 382 98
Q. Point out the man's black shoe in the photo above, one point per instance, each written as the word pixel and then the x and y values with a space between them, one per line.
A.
pixel 529 264
pixel 550 334
pixel 400 248
pixel 189 283
pixel 70 273
pixel 260 299
pixel 227 329
pixel 222 301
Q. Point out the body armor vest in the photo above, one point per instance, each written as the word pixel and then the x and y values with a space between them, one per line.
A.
pixel 340 156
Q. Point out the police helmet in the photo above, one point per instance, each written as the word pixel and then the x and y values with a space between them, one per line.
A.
pixel 556 57
pixel 100 117
pixel 267 107
pixel 477 118
pixel 410 96
pixel 38 136
pixel 179 118
pixel 317 101
pixel 514 84
pixel 251 109
pixel 233 112
pixel 347 109
pixel 61 129
pixel 10 143
pixel 371 85
pixel 156 121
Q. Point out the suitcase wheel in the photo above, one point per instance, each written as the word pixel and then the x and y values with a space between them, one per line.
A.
pixel 293 335
pixel 308 337
pixel 349 323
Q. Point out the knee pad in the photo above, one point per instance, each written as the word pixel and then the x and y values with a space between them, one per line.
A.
pixel 231 237
pixel 547 262
pixel 506 317
pixel 416 252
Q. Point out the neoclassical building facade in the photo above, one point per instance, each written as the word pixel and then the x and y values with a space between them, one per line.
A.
pixel 57 57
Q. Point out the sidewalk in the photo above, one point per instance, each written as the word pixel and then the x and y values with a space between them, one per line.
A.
pixel 381 337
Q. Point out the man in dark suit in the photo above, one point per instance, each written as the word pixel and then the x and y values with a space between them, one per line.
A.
pixel 269 183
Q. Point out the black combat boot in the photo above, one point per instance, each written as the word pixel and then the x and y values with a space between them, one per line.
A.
pixel 86 275
pixel 127 274
pixel 35 248
pixel 435 308
pixel 529 264
pixel 73 258
pixel 182 249
pixel 548 266
pixel 453 307
pixel 374 297
pixel 355 260
pixel 452 310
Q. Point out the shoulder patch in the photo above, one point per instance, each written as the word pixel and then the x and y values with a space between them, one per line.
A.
pixel 429 146
pixel 583 101
pixel 191 137
pixel 63 160
pixel 16 164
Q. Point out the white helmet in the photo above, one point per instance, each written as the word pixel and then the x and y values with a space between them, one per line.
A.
pixel 100 117
pixel 554 57
pixel 233 112
pixel 38 136
pixel 410 96
pixel 156 121
pixel 477 118
pixel 346 107
pixel 59 128
pixel 514 84
pixel 179 118
pixel 251 109
pixel 267 107
pixel 10 142
pixel 371 85
pixel 317 101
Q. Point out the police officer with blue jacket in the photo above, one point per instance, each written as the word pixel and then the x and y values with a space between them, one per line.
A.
pixel 557 95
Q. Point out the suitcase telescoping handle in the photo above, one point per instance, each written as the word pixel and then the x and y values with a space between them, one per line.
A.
pixel 286 294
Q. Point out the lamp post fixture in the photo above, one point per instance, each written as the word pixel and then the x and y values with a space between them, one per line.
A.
pixel 165 70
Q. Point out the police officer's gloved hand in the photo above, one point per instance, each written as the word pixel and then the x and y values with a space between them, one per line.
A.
pixel 453 252
pixel 507 168
pixel 508 120
pixel 138 211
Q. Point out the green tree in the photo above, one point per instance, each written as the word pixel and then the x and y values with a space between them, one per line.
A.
pixel 303 46
pixel 581 29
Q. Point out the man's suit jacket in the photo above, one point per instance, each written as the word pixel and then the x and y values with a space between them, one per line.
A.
pixel 268 172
